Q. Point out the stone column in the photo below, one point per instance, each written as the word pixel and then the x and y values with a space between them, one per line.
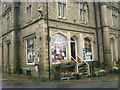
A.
pixel 68 46
pixel 116 50
pixel 43 51
pixel 106 36
pixel 80 46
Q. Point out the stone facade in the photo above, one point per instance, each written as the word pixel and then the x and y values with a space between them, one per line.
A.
pixel 32 25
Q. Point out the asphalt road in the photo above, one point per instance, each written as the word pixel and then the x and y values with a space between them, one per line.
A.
pixel 61 84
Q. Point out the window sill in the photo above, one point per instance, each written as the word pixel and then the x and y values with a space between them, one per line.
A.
pixel 59 17
pixel 64 18
pixel 85 23
pixel 30 63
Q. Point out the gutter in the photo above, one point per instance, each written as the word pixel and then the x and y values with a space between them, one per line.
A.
pixel 96 25
pixel 48 38
pixel 16 38
pixel 101 25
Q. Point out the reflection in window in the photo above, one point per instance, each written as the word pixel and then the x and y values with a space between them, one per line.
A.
pixel 58 48
pixel 87 49
pixel 30 51
pixel 59 9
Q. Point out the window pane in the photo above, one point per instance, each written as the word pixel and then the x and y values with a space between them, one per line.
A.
pixel 8 23
pixel 85 13
pixel 84 16
pixel 30 51
pixel 59 9
pixel 29 13
pixel 115 20
pixel 81 11
pixel 81 14
pixel 63 10
pixel 81 5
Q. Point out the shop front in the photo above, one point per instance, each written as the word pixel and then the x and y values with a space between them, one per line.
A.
pixel 65 49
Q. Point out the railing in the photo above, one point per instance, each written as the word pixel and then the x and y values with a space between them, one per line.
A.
pixel 76 65
pixel 86 64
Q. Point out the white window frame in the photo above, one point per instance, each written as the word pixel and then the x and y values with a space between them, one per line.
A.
pixel 57 62
pixel 26 51
pixel 60 9
pixel 91 48
pixel 64 11
pixel 83 11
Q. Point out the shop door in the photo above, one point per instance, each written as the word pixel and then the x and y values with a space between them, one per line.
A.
pixel 73 49
pixel 8 57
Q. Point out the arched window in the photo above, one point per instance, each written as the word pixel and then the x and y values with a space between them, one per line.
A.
pixel 58 48
pixel 112 41
pixel 87 52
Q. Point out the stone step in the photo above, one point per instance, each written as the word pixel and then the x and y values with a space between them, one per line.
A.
pixel 67 78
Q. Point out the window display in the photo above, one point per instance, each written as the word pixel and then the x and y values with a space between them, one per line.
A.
pixel 58 48
pixel 30 51
pixel 88 49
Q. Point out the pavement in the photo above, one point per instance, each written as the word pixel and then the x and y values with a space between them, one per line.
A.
pixel 21 78
pixel 22 81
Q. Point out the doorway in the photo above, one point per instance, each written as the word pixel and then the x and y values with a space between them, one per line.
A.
pixel 73 49
pixel 8 58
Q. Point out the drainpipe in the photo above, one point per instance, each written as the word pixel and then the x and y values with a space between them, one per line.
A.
pixel 48 38
pixel 101 25
pixel 96 25
pixel 16 37
pixel 2 53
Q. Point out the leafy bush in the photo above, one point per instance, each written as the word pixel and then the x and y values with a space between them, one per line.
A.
pixel 99 72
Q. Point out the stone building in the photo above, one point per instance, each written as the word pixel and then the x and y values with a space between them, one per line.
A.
pixel 49 33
